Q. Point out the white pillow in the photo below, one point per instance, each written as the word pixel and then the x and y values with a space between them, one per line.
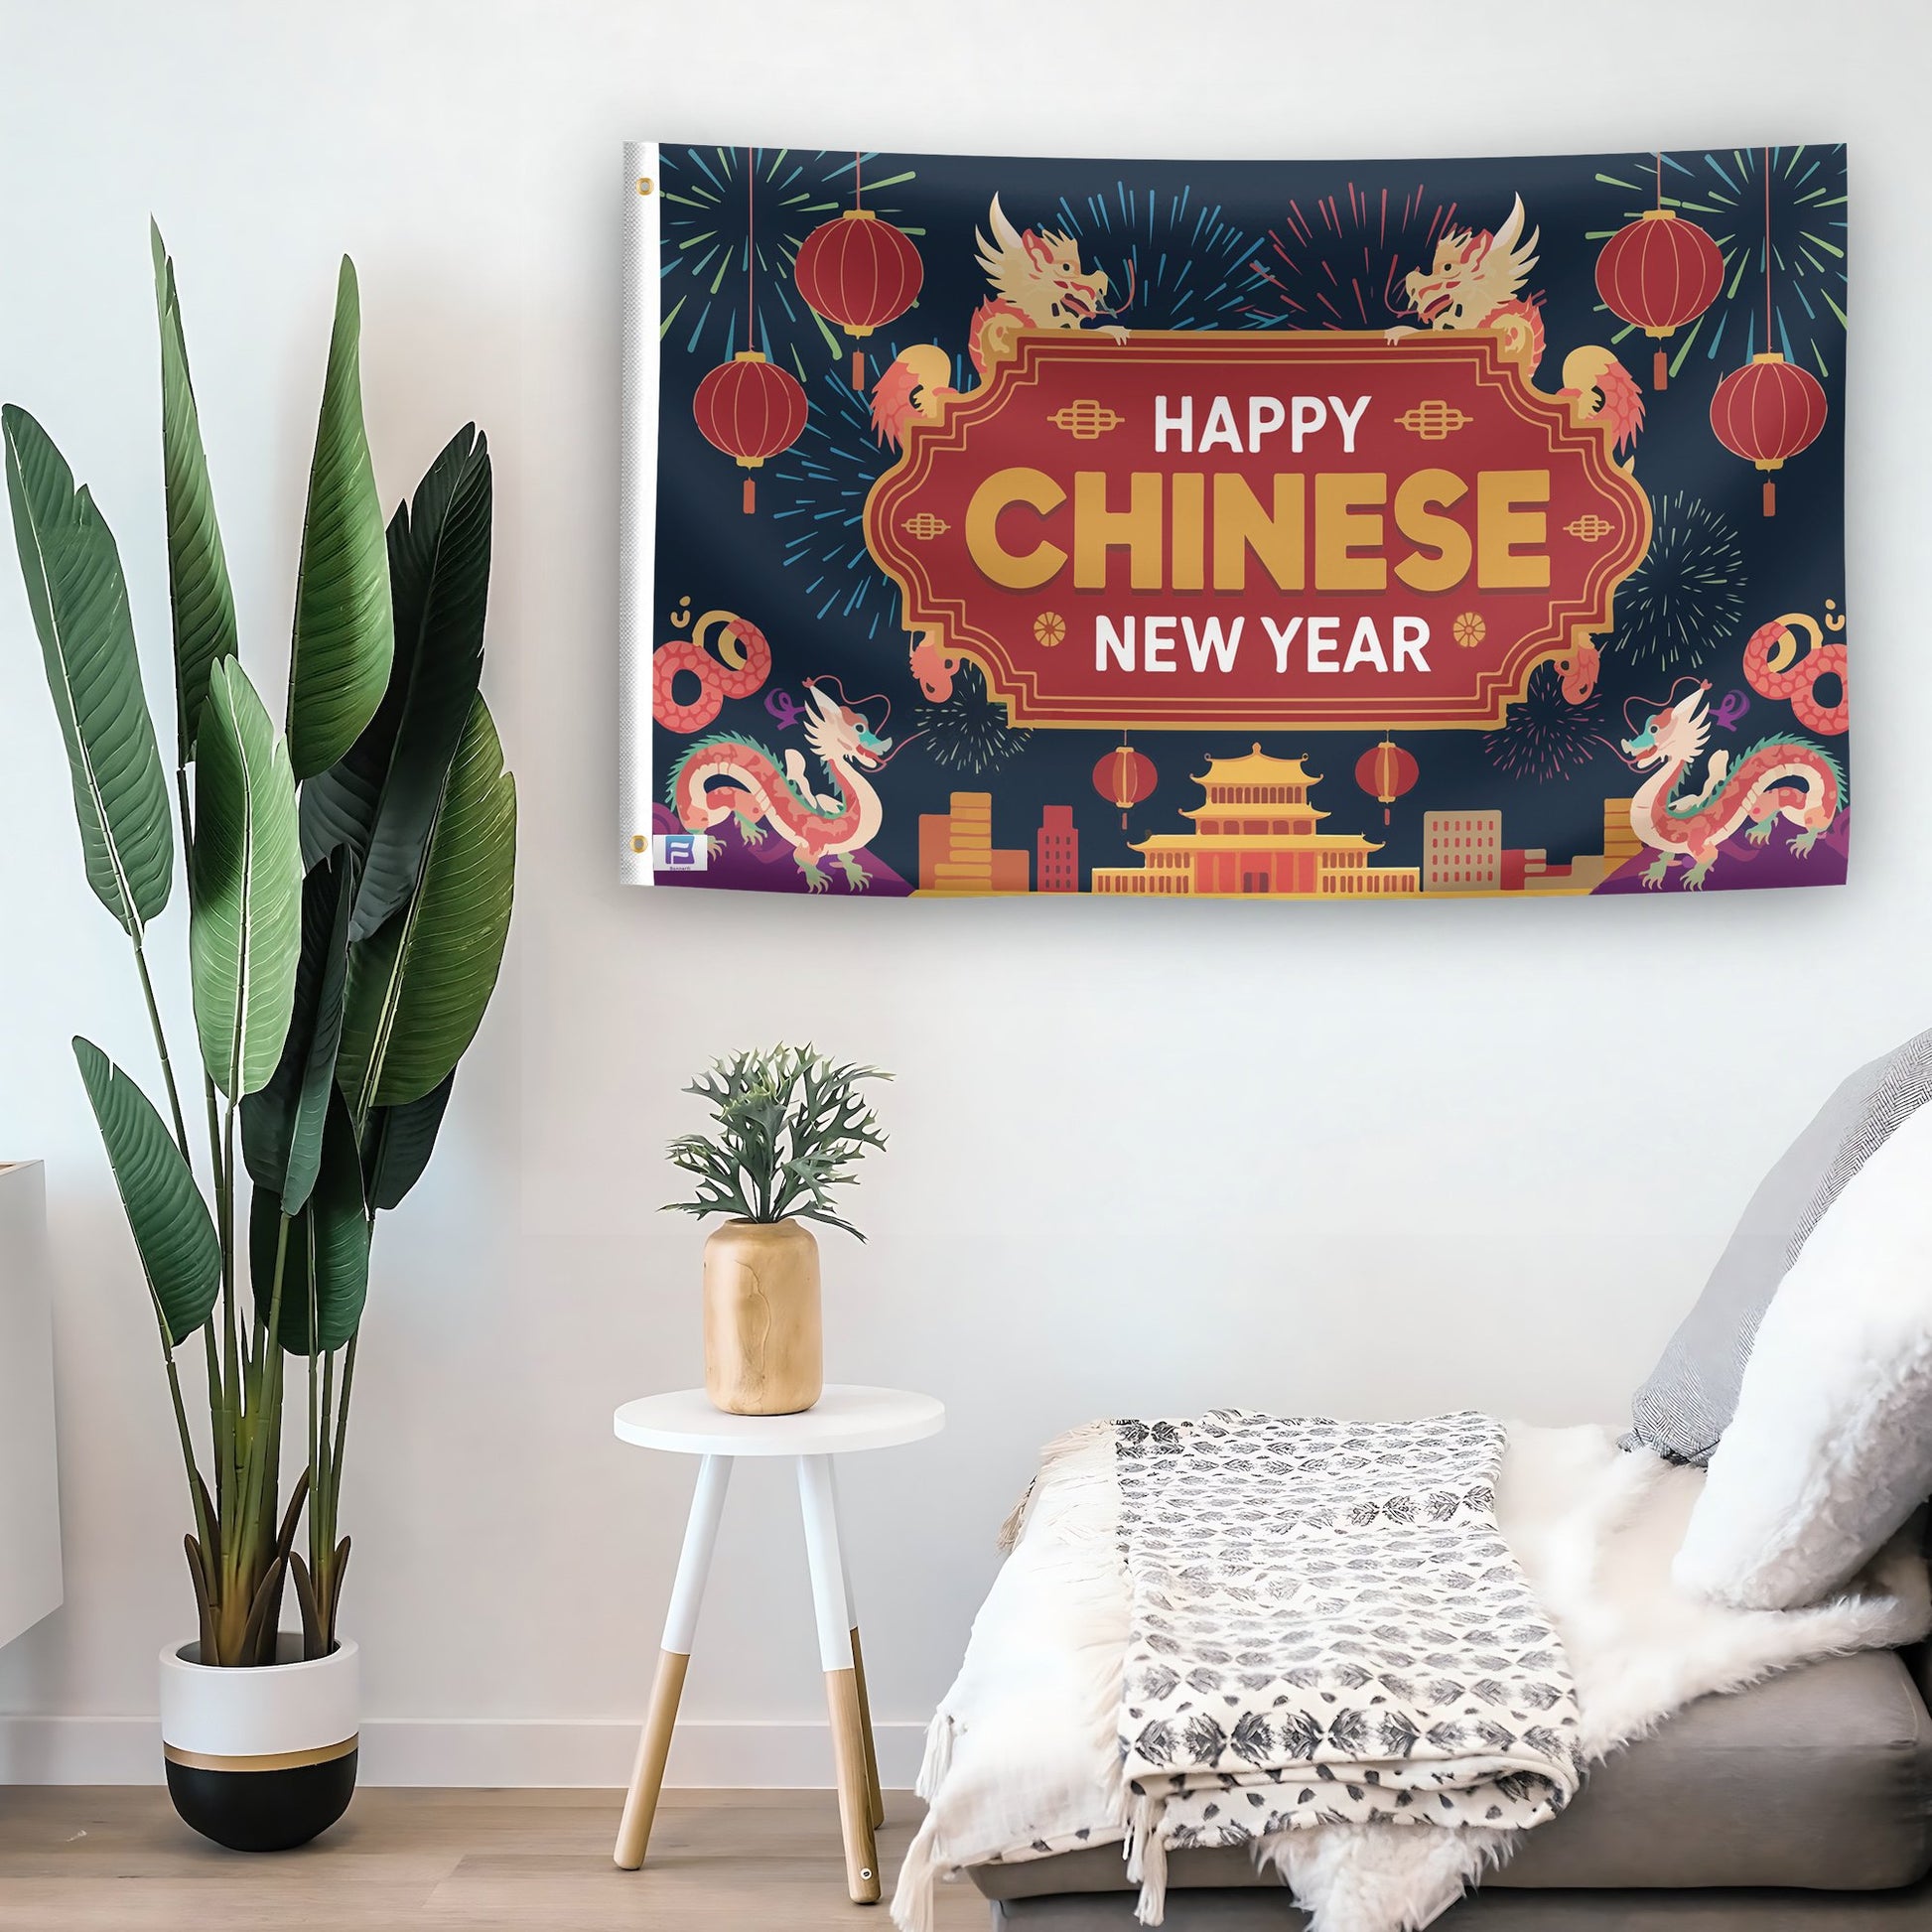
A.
pixel 1830 1451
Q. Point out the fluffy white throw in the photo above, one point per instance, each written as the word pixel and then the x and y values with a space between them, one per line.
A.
pixel 1023 1758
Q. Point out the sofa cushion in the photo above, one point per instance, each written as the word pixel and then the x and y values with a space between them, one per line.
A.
pixel 1691 1394
pixel 1830 1449
pixel 1821 1780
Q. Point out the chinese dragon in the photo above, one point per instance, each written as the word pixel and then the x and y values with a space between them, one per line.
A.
pixel 729 775
pixel 1781 778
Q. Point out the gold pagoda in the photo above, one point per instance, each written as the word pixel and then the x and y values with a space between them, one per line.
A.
pixel 1256 833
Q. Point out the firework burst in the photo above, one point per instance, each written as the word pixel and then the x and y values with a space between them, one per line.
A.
pixel 731 211
pixel 1544 736
pixel 1724 191
pixel 1688 592
pixel 1341 263
pixel 969 731
pixel 1187 266
pixel 820 487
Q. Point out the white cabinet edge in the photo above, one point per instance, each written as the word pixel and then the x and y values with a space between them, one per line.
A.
pixel 30 1499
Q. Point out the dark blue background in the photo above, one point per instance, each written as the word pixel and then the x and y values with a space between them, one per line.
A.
pixel 1197 233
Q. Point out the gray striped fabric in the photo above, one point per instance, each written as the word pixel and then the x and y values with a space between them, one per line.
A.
pixel 1692 1394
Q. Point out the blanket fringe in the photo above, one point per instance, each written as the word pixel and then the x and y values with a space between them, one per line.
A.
pixel 912 1901
pixel 1147 1859
pixel 1055 1451
pixel 938 1756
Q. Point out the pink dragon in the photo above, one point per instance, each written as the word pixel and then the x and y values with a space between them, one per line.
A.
pixel 1757 793
pixel 729 775
pixel 1773 669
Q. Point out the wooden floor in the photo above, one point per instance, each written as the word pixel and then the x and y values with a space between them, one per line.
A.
pixel 116 1860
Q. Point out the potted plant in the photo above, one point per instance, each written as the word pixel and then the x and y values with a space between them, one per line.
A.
pixel 348 895
pixel 790 1126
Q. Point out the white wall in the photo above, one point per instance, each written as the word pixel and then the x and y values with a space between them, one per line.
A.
pixel 1146 1156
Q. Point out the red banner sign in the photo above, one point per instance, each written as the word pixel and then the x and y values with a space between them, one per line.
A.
pixel 1230 530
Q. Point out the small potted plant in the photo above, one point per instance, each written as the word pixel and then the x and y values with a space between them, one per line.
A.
pixel 790 1126
pixel 349 887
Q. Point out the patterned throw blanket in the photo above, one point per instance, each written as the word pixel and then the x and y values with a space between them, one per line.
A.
pixel 1326 1626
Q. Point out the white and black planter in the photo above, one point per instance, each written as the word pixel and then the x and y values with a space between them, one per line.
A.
pixel 261 1759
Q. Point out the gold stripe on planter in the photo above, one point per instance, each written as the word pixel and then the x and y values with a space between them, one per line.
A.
pixel 266 1761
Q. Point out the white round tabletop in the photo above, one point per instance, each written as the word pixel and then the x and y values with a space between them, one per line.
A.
pixel 845 1417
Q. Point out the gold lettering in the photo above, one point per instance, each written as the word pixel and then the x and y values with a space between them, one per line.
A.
pixel 1186 511
pixel 1501 526
pixel 1098 529
pixel 999 565
pixel 1342 529
pixel 1419 499
pixel 1276 538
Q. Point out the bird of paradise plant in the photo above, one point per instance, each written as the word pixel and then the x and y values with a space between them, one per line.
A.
pixel 350 882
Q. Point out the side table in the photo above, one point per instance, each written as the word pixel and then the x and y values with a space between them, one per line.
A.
pixel 845 1419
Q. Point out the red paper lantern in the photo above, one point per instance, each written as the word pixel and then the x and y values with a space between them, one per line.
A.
pixel 860 272
pixel 1124 777
pixel 1385 771
pixel 1656 274
pixel 1768 410
pixel 751 409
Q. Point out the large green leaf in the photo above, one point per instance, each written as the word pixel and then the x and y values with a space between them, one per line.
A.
pixel 281 1125
pixel 398 1143
pixel 343 630
pixel 381 797
pixel 325 1264
pixel 172 1232
pixel 418 989
pixel 79 599
pixel 198 570
pixel 244 934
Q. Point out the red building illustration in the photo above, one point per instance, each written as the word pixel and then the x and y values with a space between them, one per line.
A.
pixel 1258 833
pixel 1056 851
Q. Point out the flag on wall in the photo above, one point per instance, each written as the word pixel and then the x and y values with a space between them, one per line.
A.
pixel 1282 530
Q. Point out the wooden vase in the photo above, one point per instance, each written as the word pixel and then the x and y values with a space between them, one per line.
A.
pixel 764 1344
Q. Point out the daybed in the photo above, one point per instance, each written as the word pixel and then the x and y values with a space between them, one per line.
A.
pixel 1743 1745
pixel 1801 1805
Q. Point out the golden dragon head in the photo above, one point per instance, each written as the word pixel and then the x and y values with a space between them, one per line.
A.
pixel 1474 274
pixel 1039 273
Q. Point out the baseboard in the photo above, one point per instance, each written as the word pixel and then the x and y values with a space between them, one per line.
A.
pixel 480 1752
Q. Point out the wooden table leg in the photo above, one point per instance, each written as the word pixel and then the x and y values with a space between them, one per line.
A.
pixel 878 1796
pixel 821 1510
pixel 680 1626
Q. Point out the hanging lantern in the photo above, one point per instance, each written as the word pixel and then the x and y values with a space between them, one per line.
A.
pixel 1385 771
pixel 748 407
pixel 1768 410
pixel 751 409
pixel 1658 274
pixel 860 272
pixel 1124 777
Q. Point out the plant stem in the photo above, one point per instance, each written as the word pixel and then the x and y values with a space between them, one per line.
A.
pixel 161 1047
pixel 342 1424
pixel 321 1503
pixel 315 1438
pixel 254 1544
pixel 219 1395
pixel 230 1347
pixel 267 1415
pixel 330 1596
